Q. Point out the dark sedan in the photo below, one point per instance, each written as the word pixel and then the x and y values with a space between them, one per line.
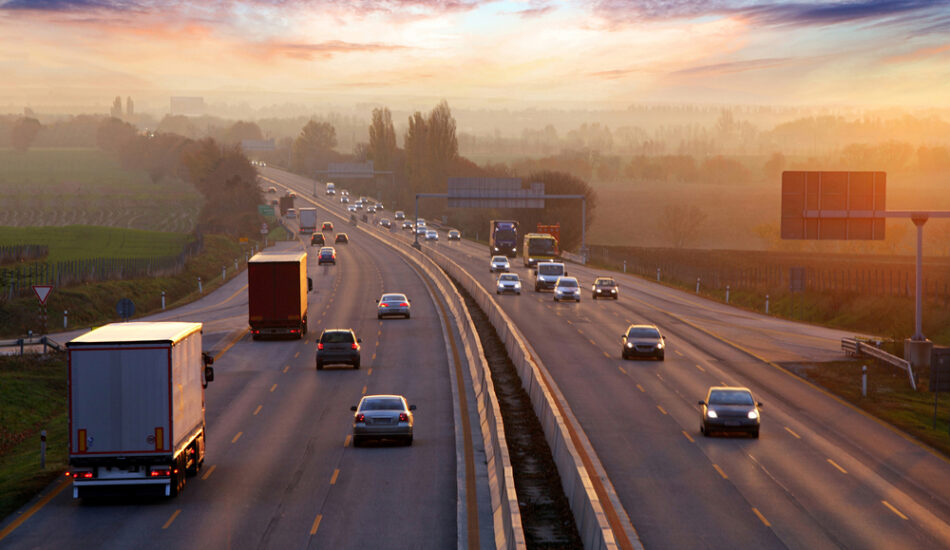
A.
pixel 327 255
pixel 729 409
pixel 643 341
pixel 605 287
pixel 338 345
pixel 341 238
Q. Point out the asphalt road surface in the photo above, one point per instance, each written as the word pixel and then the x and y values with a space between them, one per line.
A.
pixel 822 474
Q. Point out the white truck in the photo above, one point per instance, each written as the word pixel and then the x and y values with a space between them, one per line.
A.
pixel 331 188
pixel 307 220
pixel 546 275
pixel 136 408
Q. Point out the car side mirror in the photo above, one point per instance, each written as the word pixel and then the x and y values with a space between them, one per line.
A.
pixel 565 273
pixel 209 375
pixel 309 284
pixel 207 358
pixel 758 404
pixel 359 340
pixel 701 402
pixel 377 300
pixel 353 408
pixel 663 337
pixel 412 407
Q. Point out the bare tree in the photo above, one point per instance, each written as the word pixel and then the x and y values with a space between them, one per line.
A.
pixel 116 110
pixel 382 140
pixel 682 224
pixel 24 132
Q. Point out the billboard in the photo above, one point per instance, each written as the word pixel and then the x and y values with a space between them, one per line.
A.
pixel 494 193
pixel 833 205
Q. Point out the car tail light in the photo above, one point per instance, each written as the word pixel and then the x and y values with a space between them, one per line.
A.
pixel 403 417
pixel 383 305
pixel 82 475
pixel 161 471
pixel 361 417
pixel 404 304
pixel 320 345
pixel 354 346
pixel 256 331
pixel 294 331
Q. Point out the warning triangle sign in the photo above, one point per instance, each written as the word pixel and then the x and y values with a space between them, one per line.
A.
pixel 42 292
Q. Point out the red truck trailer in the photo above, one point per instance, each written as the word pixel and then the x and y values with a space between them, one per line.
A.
pixel 136 408
pixel 277 287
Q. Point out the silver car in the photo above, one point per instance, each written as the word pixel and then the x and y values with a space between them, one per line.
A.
pixel 382 417
pixel 567 288
pixel 499 263
pixel 508 282
pixel 432 235
pixel 643 341
pixel 393 304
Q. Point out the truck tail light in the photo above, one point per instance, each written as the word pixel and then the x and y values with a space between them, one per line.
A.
pixel 294 331
pixel 403 417
pixel 361 417
pixel 82 475
pixel 320 345
pixel 160 471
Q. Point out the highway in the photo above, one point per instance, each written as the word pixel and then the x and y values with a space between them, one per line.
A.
pixel 822 474
pixel 280 470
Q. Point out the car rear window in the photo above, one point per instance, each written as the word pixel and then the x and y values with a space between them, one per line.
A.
pixel 394 298
pixel 383 405
pixel 730 397
pixel 337 337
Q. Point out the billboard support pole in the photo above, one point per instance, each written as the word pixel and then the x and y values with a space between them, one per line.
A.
pixel 415 228
pixel 919 221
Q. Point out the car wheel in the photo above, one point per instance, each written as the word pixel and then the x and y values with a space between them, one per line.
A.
pixel 703 430
pixel 319 365
pixel 519 293
pixel 379 316
pixel 408 440
pixel 661 357
pixel 497 292
pixel 755 434
pixel 357 441
pixel 408 316
pixel 356 364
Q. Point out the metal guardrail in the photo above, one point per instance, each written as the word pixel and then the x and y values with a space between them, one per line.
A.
pixel 854 347
pixel 21 343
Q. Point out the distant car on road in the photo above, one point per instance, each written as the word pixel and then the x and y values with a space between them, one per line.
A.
pixel 454 235
pixel 291 213
pixel 393 304
pixel 382 417
pixel 499 263
pixel 399 215
pixel 421 230
pixel 407 225
pixel 327 255
pixel 341 238
pixel 272 189
pixel 385 223
pixel 370 209
pixel 345 199
pixel 351 208
pixel 338 346
pixel 317 239
pixel 643 341
pixel 432 235
pixel 508 282
pixel 327 226
pixel 567 288
pixel 729 409
pixel 605 287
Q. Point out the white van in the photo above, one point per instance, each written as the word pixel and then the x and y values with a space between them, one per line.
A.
pixel 331 188
pixel 546 275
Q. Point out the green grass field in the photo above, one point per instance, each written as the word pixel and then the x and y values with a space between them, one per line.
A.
pixel 60 187
pixel 83 242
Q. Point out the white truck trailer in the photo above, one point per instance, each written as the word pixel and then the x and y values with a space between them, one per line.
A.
pixel 137 408
pixel 307 219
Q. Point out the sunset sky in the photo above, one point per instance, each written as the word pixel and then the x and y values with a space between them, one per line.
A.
pixel 600 54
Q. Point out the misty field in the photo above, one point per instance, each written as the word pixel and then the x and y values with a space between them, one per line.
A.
pixel 62 187
pixel 81 242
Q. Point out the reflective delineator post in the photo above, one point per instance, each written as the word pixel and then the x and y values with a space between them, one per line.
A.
pixel 657 274
pixel 864 381
pixel 65 318
pixel 766 304
pixel 224 273
pixel 727 294
pixel 163 300
pixel 697 285
pixel 199 286
pixel 43 450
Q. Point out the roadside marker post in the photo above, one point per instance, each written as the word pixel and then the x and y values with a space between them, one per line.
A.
pixel 163 300
pixel 65 317
pixel 199 286
pixel 42 293
pixel 727 294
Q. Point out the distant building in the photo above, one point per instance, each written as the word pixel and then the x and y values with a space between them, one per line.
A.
pixel 189 106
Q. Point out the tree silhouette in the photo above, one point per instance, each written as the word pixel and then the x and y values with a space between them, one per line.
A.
pixel 682 224
pixel 24 133
pixel 116 110
pixel 313 148
pixel 382 140
pixel 240 131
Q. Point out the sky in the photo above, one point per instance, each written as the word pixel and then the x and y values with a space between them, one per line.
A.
pixel 508 54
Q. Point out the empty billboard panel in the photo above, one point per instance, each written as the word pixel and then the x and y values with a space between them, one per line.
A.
pixel 494 193
pixel 833 205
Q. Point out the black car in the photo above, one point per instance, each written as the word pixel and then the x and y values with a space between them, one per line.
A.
pixel 341 238
pixel 338 345
pixel 729 409
pixel 327 255
pixel 643 341
pixel 317 239
pixel 605 287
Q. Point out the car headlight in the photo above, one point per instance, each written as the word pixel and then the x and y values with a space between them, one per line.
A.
pixel 629 344
pixel 711 414
pixel 613 291
pixel 659 345
pixel 753 415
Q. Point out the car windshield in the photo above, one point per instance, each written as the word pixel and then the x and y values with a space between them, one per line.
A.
pixel 499 259
pixel 337 337
pixel 509 277
pixel 551 269
pixel 730 397
pixel 383 404
pixel 567 283
pixel 541 246
pixel 605 282
pixel 643 332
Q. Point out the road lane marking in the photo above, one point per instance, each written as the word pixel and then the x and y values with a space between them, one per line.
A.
pixel 718 469
pixel 689 437
pixel 336 474
pixel 171 519
pixel 639 387
pixel 570 322
pixel 580 331
pixel 287 368
pixel 231 344
pixel 369 372
pixel 272 388
pixel 592 342
pixel 316 525
pixel 660 377
pixel 622 370
pixel 677 352
pixel 238 436
pixel 364 390
pixel 835 464
pixel 789 430
pixel 346 442
pixel 36 507
pixel 296 355
pixel 662 410
pixel 209 472
pixel 258 409
pixel 761 517
pixel 700 367
pixel 379 332
pixel 892 509
pixel 373 358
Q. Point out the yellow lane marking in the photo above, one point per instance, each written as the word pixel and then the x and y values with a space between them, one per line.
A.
pixel 35 508
pixel 364 390
pixel 677 352
pixel 272 388
pixel 336 474
pixel 373 358
pixel 639 387
pixel 892 509
pixel 287 368
pixel 369 372
pixel 570 322
pixel 622 370
pixel 761 517
pixel 835 464
pixel 231 344
pixel 579 331
pixel 346 442
pixel 296 355
pixel 210 470
pixel 700 367
pixel 379 333
pixel 258 409
pixel 689 437
pixel 316 525
pixel 789 430
pixel 592 342
pixel 662 410
pixel 238 436
pixel 660 377
pixel 171 519
pixel 718 469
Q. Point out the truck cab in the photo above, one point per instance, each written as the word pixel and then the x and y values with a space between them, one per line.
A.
pixel 546 275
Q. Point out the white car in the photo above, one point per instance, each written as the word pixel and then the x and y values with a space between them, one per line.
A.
pixel 351 208
pixel 567 288
pixel 499 263
pixel 432 235
pixel 291 213
pixel 508 282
